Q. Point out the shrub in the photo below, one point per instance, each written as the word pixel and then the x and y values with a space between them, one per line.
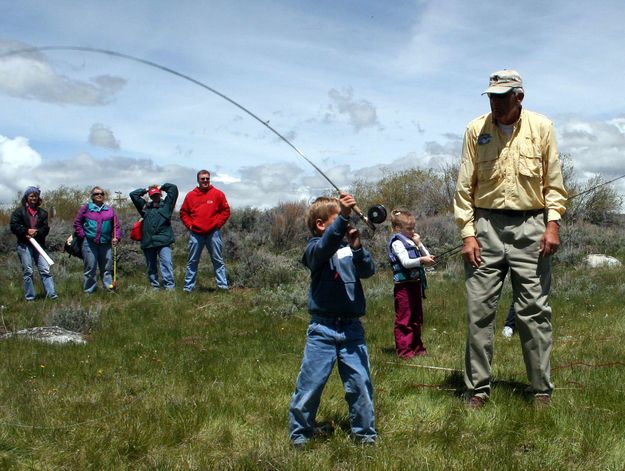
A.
pixel 63 203
pixel 74 317
pixel 580 239
pixel 130 258
pixel 7 239
pixel 287 226
pixel 259 268
pixel 282 300
pixel 428 191
pixel 60 230
pixel 595 203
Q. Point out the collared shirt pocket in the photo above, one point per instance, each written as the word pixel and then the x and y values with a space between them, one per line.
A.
pixel 530 160
pixel 487 164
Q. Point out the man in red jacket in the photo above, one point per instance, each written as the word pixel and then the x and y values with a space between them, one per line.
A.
pixel 204 210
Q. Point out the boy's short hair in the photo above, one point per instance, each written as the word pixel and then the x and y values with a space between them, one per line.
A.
pixel 401 217
pixel 322 208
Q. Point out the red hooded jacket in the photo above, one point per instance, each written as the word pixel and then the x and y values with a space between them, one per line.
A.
pixel 203 212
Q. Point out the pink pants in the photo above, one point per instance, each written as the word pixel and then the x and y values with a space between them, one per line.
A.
pixel 408 319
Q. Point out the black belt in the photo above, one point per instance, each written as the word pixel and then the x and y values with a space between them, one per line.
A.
pixel 514 212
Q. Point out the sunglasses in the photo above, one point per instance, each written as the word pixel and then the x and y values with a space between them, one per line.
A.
pixel 97 194
pixel 205 179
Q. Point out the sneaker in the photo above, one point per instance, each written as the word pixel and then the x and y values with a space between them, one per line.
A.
pixel 507 332
pixel 363 439
pixel 323 430
pixel 301 445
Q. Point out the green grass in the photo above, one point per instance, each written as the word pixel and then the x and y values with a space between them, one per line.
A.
pixel 203 381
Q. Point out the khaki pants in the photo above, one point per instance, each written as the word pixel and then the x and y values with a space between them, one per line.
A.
pixel 509 243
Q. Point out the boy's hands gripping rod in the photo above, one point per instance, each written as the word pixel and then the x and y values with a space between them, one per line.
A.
pixel 347 204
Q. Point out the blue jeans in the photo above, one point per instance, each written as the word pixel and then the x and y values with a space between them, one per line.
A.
pixel 197 242
pixel 29 257
pixel 96 255
pixel 511 317
pixel 326 342
pixel 166 263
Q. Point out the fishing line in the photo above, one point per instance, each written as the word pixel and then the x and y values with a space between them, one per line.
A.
pixel 595 187
pixel 196 82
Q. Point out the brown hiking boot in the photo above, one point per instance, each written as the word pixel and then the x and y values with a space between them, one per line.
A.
pixel 475 402
pixel 542 401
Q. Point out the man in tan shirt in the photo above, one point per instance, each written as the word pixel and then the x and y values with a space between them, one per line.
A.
pixel 508 204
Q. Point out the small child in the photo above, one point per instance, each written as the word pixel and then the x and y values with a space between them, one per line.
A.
pixel 336 300
pixel 408 256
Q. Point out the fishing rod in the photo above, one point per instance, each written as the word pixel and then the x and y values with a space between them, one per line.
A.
pixel 163 68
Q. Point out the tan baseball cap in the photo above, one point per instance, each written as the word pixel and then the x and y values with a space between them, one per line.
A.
pixel 503 81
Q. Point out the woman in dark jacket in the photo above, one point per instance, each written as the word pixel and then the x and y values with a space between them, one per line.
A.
pixel 30 221
pixel 157 234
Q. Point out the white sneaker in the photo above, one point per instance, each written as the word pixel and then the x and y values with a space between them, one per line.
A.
pixel 507 332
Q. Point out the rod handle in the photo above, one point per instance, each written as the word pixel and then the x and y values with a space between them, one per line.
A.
pixel 362 216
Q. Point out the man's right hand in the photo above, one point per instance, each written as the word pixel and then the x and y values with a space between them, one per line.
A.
pixel 471 251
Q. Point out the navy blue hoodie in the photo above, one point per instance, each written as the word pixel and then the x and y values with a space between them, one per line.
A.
pixel 335 273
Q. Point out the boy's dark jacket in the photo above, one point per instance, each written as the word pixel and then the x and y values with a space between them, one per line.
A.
pixel 335 288
pixel 157 230
pixel 20 223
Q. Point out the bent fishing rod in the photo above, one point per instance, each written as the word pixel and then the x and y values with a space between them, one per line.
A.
pixel 169 70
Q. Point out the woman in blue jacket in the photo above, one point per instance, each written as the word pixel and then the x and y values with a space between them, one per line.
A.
pixel 97 226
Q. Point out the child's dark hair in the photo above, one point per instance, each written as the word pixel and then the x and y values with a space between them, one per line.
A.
pixel 401 217
pixel 322 208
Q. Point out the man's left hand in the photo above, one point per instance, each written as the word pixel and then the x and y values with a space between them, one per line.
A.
pixel 550 241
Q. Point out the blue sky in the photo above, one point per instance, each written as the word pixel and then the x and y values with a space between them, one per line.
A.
pixel 361 87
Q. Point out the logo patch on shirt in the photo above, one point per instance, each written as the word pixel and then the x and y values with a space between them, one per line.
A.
pixel 209 201
pixel 483 139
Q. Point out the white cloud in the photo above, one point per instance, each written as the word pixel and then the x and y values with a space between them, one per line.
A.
pixel 102 136
pixel 361 113
pixel 18 166
pixel 596 147
pixel 30 76
pixel 262 186
pixel 225 178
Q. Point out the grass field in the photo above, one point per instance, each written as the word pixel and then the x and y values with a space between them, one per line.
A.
pixel 203 381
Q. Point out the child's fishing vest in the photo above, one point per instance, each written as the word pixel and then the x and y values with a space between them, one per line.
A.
pixel 400 273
